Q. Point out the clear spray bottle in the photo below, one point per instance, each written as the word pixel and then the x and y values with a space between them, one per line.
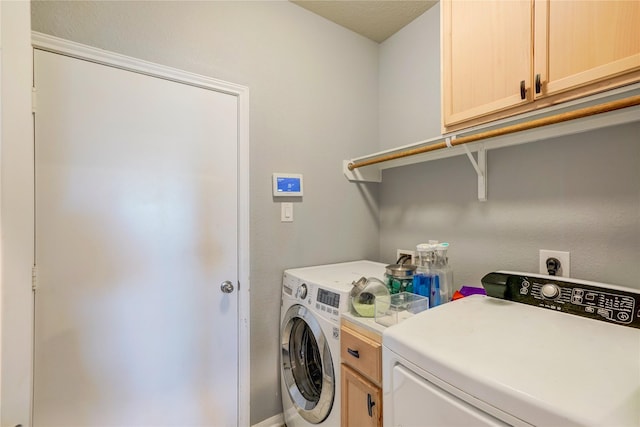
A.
pixel 441 265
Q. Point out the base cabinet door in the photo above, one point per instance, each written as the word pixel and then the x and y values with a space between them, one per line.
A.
pixel 361 400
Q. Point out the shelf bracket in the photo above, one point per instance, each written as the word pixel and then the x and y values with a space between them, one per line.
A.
pixel 481 169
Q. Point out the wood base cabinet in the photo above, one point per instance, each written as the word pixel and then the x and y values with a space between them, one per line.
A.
pixel 361 376
pixel 361 400
pixel 501 58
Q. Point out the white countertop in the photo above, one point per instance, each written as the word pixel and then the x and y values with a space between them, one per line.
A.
pixel 368 323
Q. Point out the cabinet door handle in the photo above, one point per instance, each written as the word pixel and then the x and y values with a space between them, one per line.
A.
pixel 354 353
pixel 538 84
pixel 523 90
pixel 370 405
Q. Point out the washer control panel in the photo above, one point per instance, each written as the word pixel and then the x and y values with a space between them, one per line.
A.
pixel 326 302
pixel 587 299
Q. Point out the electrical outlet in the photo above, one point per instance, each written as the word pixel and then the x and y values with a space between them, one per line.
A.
pixel 402 252
pixel 563 257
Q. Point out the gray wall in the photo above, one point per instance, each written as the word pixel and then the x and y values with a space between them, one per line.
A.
pixel 409 83
pixel 579 193
pixel 313 103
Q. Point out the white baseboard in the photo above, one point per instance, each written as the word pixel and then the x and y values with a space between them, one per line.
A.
pixel 275 421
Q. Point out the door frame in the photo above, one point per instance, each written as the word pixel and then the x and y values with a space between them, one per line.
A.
pixel 16 213
pixel 76 50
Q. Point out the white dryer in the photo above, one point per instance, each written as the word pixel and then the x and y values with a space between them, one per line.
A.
pixel 537 351
pixel 312 300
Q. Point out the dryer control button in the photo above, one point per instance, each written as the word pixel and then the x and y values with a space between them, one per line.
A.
pixel 550 291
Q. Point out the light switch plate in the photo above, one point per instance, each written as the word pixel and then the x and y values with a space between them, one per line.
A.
pixel 286 212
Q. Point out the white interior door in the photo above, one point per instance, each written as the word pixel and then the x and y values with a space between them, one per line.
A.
pixel 136 229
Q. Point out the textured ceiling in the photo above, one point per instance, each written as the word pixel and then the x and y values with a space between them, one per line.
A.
pixel 376 20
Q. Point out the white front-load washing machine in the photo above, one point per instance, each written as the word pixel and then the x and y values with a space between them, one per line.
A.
pixel 312 300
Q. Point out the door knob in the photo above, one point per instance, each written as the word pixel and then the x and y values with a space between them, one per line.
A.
pixel 226 287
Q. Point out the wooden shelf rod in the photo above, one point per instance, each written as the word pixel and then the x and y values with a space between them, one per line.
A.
pixel 545 121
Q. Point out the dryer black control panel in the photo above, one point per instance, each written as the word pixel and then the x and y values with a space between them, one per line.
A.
pixel 597 301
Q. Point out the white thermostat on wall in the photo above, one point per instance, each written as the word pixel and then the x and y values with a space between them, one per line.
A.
pixel 287 184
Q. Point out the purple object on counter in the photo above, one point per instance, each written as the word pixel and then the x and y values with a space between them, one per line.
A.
pixel 470 290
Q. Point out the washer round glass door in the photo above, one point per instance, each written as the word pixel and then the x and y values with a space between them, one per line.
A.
pixel 307 368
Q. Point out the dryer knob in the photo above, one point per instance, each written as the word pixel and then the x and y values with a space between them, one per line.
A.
pixel 302 291
pixel 550 291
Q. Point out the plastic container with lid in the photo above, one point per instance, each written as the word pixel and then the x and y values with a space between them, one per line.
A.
pixel 364 294
pixel 395 308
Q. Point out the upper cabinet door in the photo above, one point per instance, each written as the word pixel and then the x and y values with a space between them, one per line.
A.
pixel 487 48
pixel 578 43
pixel 554 50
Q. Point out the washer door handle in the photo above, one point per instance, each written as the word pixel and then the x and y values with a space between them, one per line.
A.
pixel 226 287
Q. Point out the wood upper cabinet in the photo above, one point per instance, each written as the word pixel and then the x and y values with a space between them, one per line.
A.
pixel 487 53
pixel 583 42
pixel 490 48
